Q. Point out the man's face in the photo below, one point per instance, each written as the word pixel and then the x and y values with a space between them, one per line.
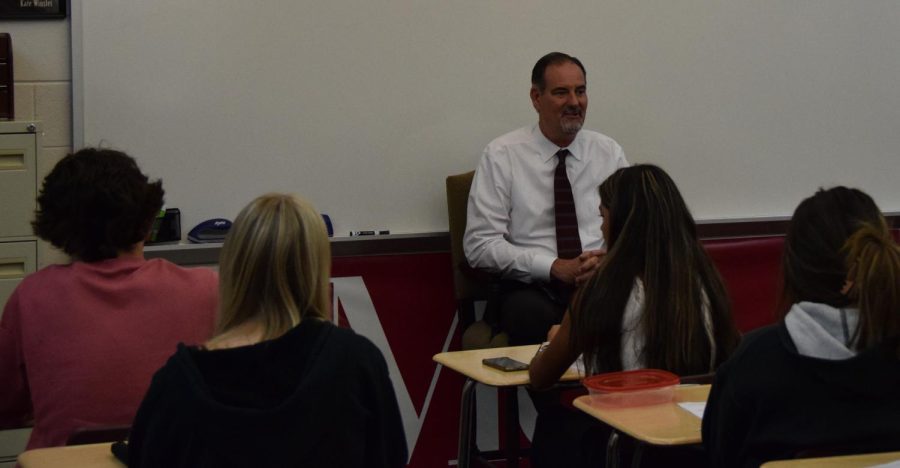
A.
pixel 562 104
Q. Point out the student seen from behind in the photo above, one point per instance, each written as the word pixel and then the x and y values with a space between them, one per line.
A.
pixel 279 384
pixel 79 342
pixel 655 301
pixel 826 379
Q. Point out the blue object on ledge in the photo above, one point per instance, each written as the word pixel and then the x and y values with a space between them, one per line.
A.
pixel 328 225
pixel 211 230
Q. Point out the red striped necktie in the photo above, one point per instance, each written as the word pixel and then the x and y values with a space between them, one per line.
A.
pixel 568 242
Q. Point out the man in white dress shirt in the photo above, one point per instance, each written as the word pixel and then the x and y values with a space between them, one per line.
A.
pixel 511 227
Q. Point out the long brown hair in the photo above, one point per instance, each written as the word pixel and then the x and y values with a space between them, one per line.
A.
pixel 839 251
pixel 653 238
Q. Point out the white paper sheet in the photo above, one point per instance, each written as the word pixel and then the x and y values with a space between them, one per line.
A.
pixel 694 407
pixel 893 464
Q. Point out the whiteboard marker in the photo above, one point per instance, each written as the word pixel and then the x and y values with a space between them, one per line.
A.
pixel 382 232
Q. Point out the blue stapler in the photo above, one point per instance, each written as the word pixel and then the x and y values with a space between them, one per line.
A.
pixel 211 230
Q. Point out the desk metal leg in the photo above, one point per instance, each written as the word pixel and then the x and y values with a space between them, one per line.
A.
pixel 511 395
pixel 638 451
pixel 466 424
pixel 612 450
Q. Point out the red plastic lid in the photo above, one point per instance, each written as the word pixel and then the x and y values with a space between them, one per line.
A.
pixel 627 381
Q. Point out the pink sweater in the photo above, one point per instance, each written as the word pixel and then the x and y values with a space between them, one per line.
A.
pixel 79 343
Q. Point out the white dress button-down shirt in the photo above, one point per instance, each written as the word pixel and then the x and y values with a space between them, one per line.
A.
pixel 510 224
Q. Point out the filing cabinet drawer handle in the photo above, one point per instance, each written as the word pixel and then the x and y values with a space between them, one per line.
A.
pixel 12 161
pixel 12 268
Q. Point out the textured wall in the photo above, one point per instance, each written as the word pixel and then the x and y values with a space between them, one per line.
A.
pixel 43 80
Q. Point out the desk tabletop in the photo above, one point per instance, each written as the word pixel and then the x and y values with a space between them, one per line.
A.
pixel 665 424
pixel 869 459
pixel 73 456
pixel 468 363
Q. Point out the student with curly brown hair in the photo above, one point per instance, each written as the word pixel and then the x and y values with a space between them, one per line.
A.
pixel 79 342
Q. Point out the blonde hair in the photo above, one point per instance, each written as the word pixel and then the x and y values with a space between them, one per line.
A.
pixel 274 266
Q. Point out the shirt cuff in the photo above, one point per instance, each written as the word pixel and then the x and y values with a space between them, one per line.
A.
pixel 540 267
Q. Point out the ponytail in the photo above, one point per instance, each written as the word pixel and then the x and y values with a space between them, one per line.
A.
pixel 873 282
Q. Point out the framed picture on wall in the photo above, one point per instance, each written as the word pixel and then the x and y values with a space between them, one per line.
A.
pixel 32 9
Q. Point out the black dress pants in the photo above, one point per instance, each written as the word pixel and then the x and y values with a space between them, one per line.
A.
pixel 528 310
pixel 566 437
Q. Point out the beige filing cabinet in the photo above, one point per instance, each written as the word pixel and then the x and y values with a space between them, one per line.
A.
pixel 19 146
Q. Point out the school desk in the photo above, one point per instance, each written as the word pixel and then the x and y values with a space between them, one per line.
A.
pixel 844 461
pixel 468 363
pixel 663 424
pixel 72 456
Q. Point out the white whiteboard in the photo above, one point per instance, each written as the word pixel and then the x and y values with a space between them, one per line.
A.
pixel 364 107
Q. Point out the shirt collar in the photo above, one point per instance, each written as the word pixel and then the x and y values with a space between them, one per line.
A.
pixel 547 149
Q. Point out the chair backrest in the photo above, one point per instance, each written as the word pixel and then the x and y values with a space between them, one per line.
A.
pixel 750 268
pixel 698 379
pixel 466 282
pixel 98 434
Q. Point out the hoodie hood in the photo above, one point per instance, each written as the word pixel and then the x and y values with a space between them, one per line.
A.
pixel 822 331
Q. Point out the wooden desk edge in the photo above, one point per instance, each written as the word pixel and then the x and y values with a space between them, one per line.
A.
pixel 465 362
pixel 451 359
pixel 867 459
pixel 93 455
pixel 584 403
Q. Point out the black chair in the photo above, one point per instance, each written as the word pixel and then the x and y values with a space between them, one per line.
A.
pixel 470 284
pixel 698 379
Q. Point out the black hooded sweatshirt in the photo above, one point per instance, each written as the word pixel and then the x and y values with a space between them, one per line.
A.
pixel 318 396
pixel 769 403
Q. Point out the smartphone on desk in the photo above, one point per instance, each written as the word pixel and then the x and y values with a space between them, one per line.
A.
pixel 506 364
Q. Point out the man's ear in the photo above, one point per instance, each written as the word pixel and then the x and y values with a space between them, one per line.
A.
pixel 535 95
